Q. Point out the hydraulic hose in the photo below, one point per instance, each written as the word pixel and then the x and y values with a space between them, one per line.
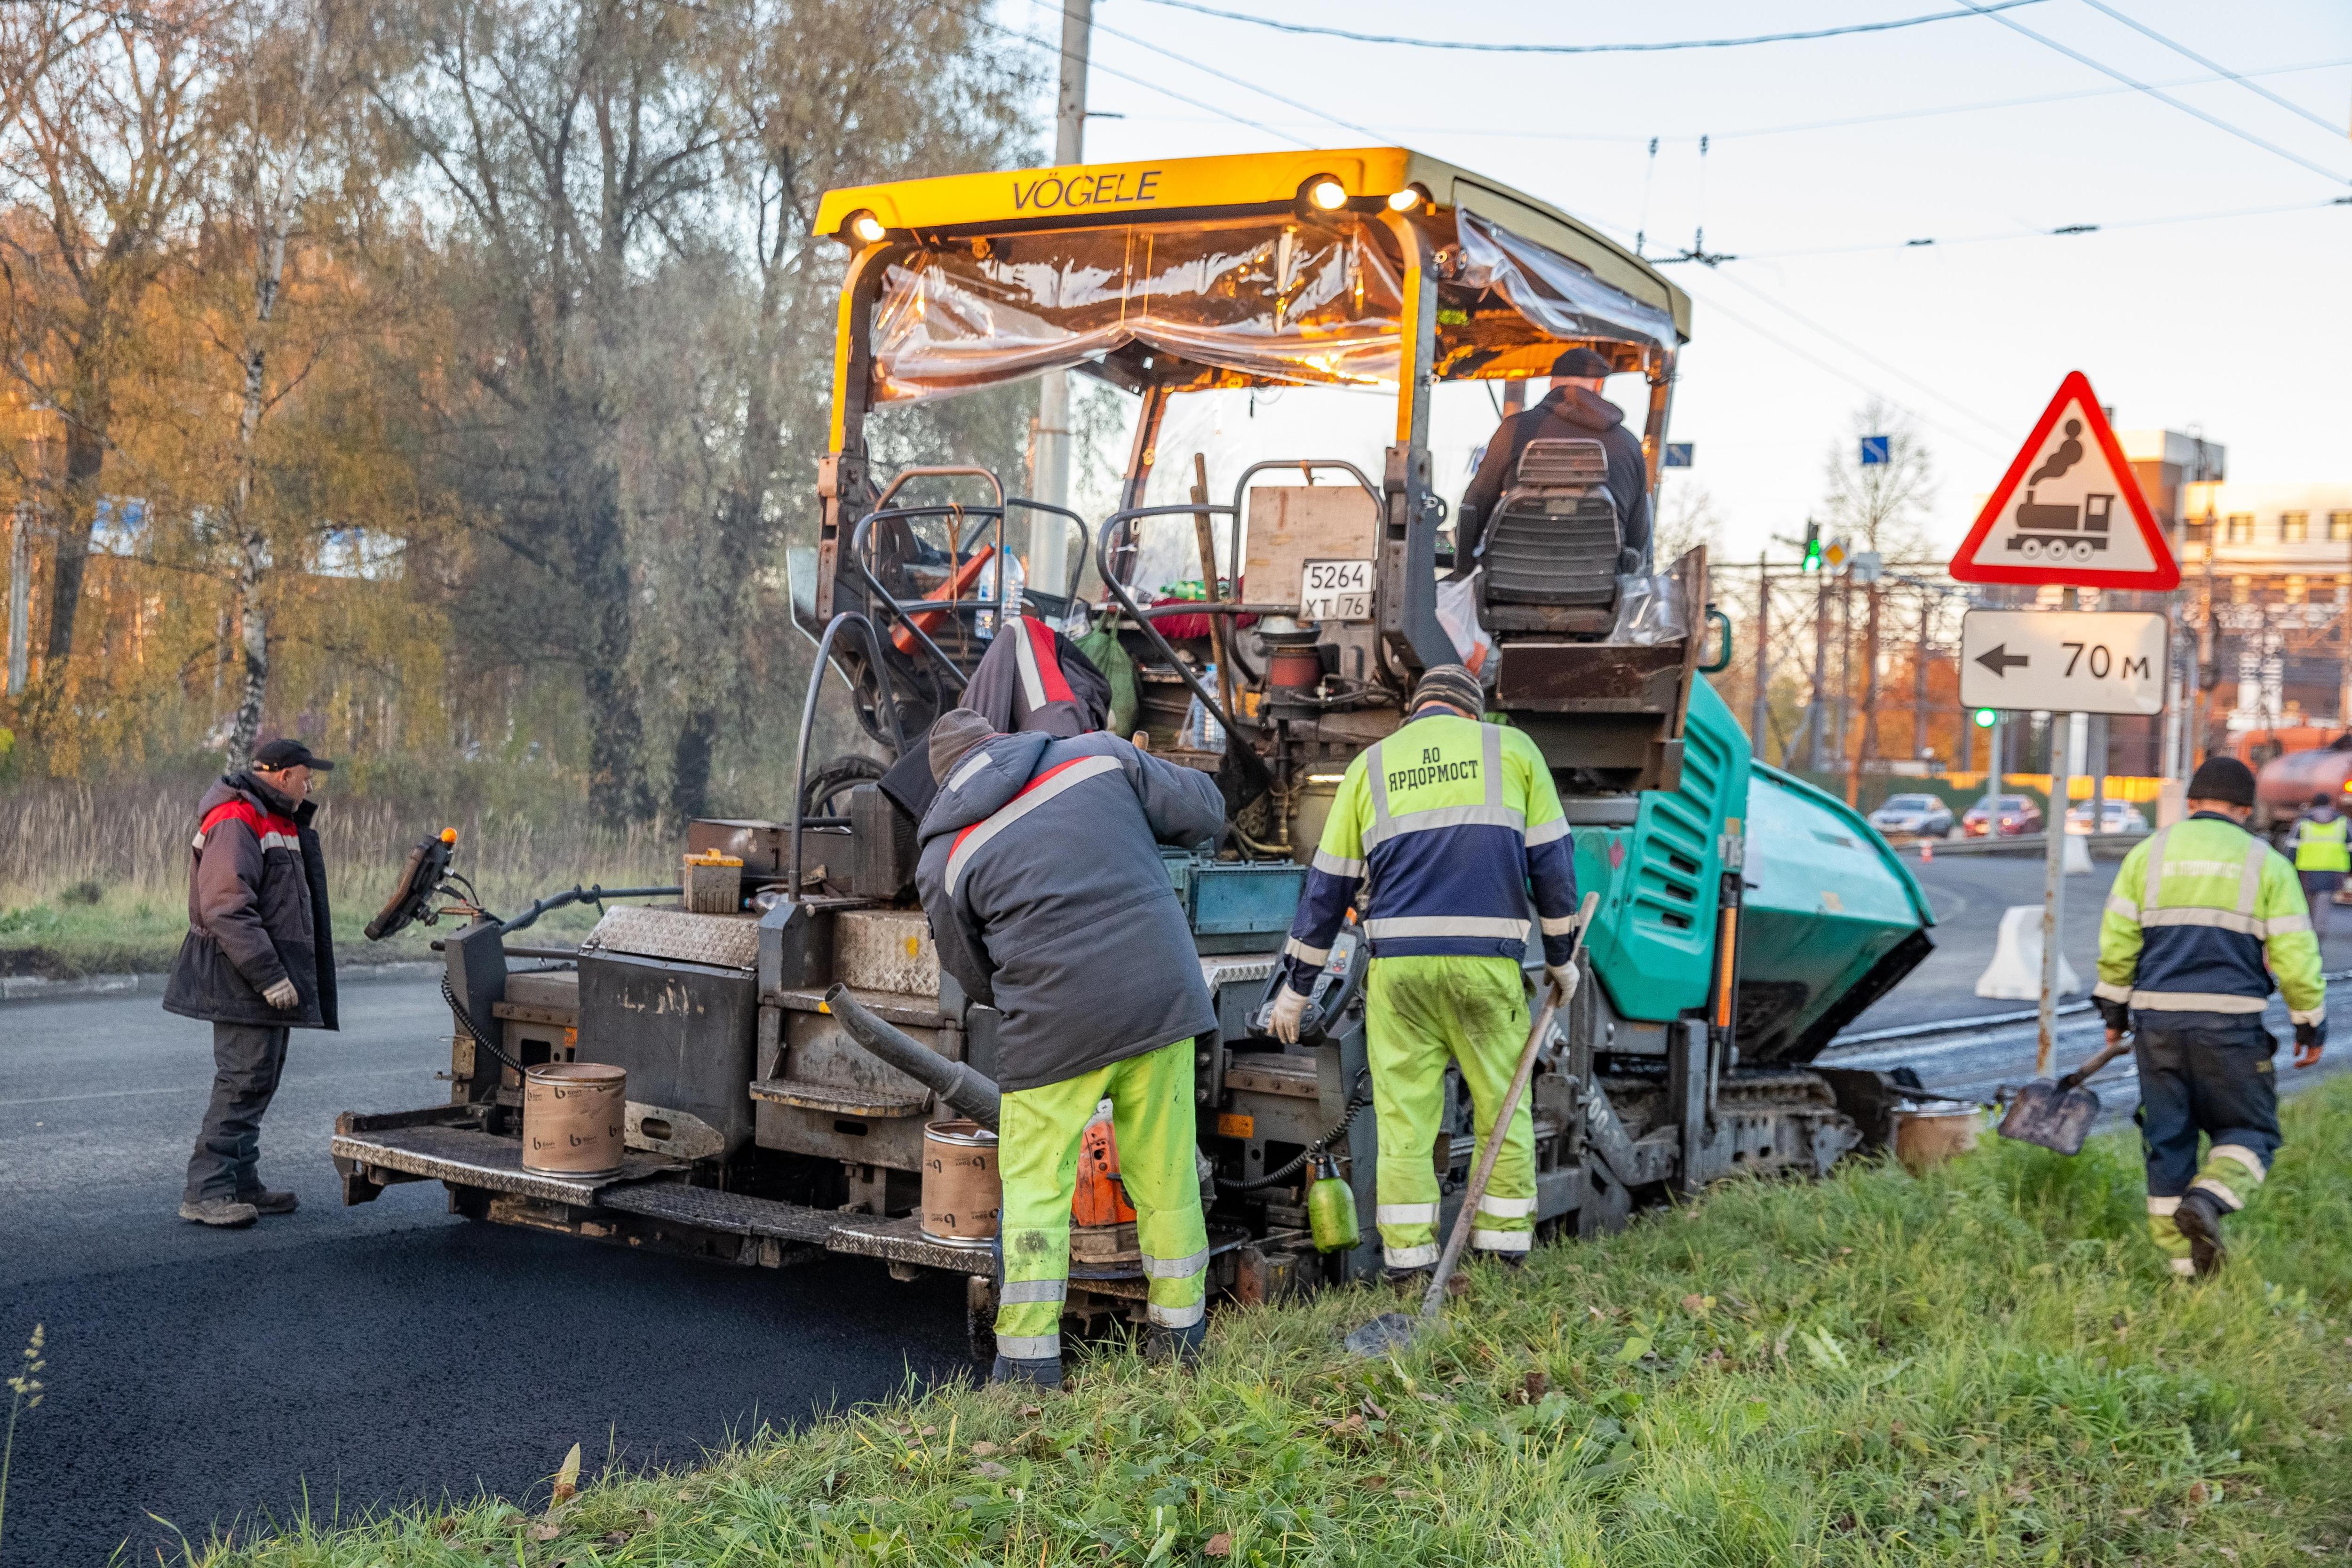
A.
pixel 466 1022
pixel 1337 1130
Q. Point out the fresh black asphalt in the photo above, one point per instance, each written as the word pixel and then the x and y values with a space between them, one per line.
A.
pixel 343 1359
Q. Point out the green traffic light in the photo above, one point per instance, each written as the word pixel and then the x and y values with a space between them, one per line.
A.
pixel 1986 718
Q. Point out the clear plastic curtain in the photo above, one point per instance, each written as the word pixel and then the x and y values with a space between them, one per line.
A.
pixel 1553 292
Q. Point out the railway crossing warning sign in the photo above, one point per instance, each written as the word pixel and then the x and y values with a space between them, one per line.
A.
pixel 2068 510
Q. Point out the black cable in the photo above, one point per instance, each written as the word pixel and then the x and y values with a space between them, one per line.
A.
pixel 1670 44
pixel 1337 1130
pixel 465 1022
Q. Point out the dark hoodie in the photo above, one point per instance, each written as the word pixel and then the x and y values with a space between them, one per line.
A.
pixel 1565 412
pixel 256 911
pixel 1048 900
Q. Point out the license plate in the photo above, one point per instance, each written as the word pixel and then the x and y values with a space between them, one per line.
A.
pixel 1336 591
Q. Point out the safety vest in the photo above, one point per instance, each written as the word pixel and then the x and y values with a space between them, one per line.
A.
pixel 2324 846
pixel 2202 915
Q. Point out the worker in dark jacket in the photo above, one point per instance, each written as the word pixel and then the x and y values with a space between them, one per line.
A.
pixel 1032 678
pixel 1573 409
pixel 1048 900
pixel 258 960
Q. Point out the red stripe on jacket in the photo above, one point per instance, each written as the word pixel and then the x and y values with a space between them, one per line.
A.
pixel 1049 661
pixel 1058 768
pixel 251 815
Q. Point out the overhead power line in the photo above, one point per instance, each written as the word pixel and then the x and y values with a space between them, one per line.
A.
pixel 1635 49
pixel 2183 50
pixel 2062 231
pixel 2214 120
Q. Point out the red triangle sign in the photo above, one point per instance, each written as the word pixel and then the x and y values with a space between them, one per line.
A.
pixel 2069 509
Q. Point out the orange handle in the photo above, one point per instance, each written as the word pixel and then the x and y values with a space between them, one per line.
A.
pixel 965 576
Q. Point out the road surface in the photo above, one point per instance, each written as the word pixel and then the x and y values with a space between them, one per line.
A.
pixel 354 1356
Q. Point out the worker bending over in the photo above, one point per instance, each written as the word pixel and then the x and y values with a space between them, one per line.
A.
pixel 1048 900
pixel 2194 912
pixel 2322 847
pixel 1451 821
pixel 1575 410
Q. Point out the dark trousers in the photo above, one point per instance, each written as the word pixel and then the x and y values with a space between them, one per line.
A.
pixel 247 1061
pixel 2202 1073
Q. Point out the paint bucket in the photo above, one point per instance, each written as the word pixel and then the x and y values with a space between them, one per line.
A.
pixel 1928 1133
pixel 573 1116
pixel 963 1196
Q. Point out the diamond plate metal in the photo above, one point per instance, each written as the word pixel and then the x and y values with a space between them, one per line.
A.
pixel 723 941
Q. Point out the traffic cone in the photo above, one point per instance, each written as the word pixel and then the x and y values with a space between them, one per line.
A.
pixel 1926 849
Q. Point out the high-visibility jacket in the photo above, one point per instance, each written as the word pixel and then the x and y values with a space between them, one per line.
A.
pixel 2322 845
pixel 2196 911
pixel 1452 823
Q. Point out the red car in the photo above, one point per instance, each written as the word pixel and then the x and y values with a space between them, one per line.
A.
pixel 2010 816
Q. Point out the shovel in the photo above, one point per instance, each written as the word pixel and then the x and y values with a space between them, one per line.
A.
pixel 1394 1330
pixel 2059 1115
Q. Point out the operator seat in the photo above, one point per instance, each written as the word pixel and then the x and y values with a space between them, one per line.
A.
pixel 1554 548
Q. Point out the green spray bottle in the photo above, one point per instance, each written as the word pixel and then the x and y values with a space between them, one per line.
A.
pixel 1331 1208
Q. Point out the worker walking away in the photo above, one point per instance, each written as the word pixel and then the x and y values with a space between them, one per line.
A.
pixel 1048 900
pixel 2321 844
pixel 2196 911
pixel 258 960
pixel 1450 822
pixel 1574 409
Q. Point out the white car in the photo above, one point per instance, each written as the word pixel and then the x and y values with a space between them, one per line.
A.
pixel 1921 814
pixel 2118 817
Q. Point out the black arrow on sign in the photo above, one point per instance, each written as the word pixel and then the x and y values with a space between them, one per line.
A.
pixel 2000 661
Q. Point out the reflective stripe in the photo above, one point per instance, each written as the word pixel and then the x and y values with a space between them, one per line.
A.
pixel 2153 877
pixel 1294 948
pixel 2163 1206
pixel 280 842
pixel 1503 1240
pixel 970 766
pixel 1177 1317
pixel 1506 1208
pixel 198 842
pixel 1547 832
pixel 2250 881
pixel 2307 1014
pixel 1018 1292
pixel 2286 925
pixel 2119 904
pixel 2245 1159
pixel 1029 1346
pixel 1175 1267
pixel 1330 865
pixel 1559 924
pixel 2223 919
pixel 1445 925
pixel 1379 778
pixel 1405 1214
pixel 1420 1257
pixel 2196 1002
pixel 2219 1190
pixel 1387 828
pixel 2184 1267
pixel 1035 793
pixel 1033 685
pixel 1490 760
pixel 2108 992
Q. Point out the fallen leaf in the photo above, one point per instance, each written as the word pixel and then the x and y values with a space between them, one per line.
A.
pixel 2200 1493
pixel 1375 1483
pixel 546 1529
pixel 1353 1422
pixel 2021 1492
pixel 990 1470
pixel 1697 1305
pixel 1457 1285
pixel 930 1431
pixel 984 1449
pixel 1219 1546
pixel 1601 1317
pixel 1372 1408
pixel 567 1479
pixel 1031 1412
pixel 1535 1385
pixel 616 1538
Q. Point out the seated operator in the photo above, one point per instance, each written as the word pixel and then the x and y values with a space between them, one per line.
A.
pixel 1573 409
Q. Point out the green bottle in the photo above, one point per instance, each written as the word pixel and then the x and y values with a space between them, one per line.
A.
pixel 1331 1208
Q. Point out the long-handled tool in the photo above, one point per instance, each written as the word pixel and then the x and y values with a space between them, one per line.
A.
pixel 2059 1115
pixel 1393 1330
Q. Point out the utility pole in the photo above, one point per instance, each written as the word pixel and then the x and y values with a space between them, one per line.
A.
pixel 20 598
pixel 1845 676
pixel 2053 882
pixel 1049 542
pixel 1758 724
pixel 1818 714
pixel 1919 679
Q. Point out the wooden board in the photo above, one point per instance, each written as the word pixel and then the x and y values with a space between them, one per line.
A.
pixel 1290 525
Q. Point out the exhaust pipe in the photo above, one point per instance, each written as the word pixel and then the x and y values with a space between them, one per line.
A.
pixel 958 1086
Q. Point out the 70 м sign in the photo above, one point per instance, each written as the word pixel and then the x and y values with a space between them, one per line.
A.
pixel 2063 661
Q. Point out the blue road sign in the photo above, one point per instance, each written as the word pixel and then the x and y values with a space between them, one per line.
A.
pixel 1678 455
pixel 1874 451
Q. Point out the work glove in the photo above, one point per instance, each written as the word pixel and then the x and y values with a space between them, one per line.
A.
pixel 282 996
pixel 2116 1013
pixel 1290 1008
pixel 1563 978
pixel 2310 1038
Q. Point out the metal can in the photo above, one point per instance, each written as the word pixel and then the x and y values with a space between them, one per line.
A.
pixel 573 1116
pixel 963 1196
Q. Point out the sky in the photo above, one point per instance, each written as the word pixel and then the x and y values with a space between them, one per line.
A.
pixel 2239 328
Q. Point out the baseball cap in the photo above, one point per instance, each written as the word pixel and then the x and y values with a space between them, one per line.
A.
pixel 279 755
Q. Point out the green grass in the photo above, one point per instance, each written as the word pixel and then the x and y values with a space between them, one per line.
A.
pixel 1985 1366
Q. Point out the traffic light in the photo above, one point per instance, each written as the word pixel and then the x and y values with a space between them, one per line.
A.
pixel 1986 718
pixel 1812 545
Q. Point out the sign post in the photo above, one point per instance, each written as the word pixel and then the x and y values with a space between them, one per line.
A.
pixel 2080 522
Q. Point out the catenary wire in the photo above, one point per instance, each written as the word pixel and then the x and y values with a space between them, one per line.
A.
pixel 1640 49
pixel 2155 92
pixel 2183 50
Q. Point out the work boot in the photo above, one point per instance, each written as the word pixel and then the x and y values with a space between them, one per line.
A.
pixel 1182 1346
pixel 225 1213
pixel 2199 1220
pixel 269 1200
pixel 1045 1371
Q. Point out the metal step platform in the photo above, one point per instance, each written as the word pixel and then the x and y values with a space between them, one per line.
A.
pixel 458 1152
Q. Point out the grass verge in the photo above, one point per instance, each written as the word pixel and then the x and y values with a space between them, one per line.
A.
pixel 1988 1366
